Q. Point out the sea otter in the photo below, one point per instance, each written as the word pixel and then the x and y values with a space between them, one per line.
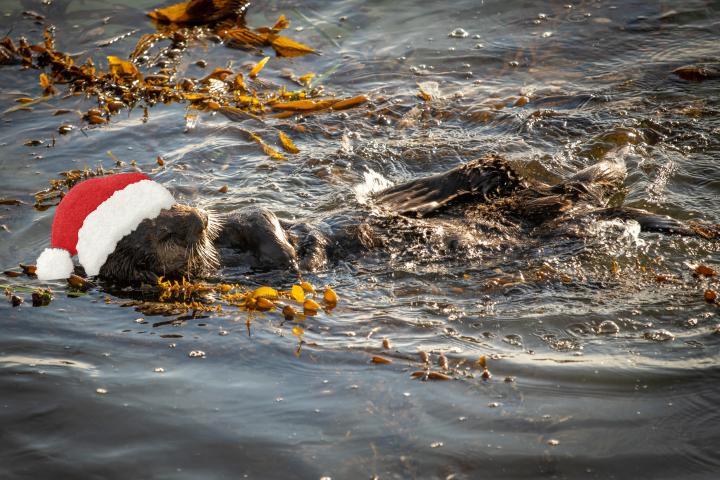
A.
pixel 484 200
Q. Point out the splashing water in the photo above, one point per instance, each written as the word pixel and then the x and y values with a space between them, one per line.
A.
pixel 372 182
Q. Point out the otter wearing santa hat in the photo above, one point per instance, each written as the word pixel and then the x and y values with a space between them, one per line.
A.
pixel 129 228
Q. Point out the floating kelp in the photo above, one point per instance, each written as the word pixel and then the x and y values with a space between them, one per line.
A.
pixel 51 196
pixel 198 296
pixel 149 75
pixel 197 12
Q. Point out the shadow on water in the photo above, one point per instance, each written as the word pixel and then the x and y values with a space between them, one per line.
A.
pixel 599 370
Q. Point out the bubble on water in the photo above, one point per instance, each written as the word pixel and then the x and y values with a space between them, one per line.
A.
pixel 513 64
pixel 458 33
pixel 547 34
pixel 196 354
pixel 101 391
pixel 494 404
pixel 553 442
pixel 608 327
pixel 514 340
pixel 372 182
pixel 436 444
pixel 222 333
pixel 159 370
pixel 661 335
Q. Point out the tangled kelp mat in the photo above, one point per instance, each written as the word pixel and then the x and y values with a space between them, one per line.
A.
pixel 149 75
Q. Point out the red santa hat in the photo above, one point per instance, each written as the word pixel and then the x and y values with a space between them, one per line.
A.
pixel 94 216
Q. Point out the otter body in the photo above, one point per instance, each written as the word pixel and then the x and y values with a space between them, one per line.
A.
pixel 483 202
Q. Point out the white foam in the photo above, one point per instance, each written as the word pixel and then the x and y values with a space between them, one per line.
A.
pixel 372 182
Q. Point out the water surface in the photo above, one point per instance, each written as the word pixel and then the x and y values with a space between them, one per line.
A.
pixel 597 76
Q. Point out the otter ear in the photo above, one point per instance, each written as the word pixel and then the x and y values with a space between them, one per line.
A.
pixel 54 264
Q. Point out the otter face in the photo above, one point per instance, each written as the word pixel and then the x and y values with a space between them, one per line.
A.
pixel 177 243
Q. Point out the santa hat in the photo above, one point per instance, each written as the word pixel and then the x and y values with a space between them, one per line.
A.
pixel 94 216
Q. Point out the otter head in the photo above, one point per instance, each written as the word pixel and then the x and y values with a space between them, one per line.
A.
pixel 177 243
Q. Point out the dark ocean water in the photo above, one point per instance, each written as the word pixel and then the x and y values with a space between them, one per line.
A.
pixel 598 79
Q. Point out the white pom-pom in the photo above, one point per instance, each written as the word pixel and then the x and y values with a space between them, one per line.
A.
pixel 54 264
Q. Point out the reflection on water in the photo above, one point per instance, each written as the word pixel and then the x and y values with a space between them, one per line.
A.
pixel 599 369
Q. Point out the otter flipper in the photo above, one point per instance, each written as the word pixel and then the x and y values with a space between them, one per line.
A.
pixel 253 237
pixel 653 222
pixel 483 178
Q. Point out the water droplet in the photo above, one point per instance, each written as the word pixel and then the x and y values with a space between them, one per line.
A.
pixel 608 327
pixel 659 335
pixel 222 333
pixel 458 33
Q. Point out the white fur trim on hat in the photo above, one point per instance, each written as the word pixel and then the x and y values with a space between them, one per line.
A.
pixel 116 217
pixel 54 264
